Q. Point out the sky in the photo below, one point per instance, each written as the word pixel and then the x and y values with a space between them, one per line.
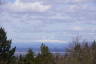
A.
pixel 48 20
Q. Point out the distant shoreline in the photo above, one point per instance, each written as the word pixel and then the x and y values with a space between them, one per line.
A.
pixel 23 53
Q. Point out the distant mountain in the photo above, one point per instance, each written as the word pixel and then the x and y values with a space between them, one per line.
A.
pixel 54 47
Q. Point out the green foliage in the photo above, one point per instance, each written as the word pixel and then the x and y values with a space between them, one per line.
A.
pixel 6 52
pixel 20 59
pixel 44 50
pixel 29 57
pixel 82 54
pixel 45 57
pixel 78 54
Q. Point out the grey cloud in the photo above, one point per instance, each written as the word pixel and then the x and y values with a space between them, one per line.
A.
pixel 65 20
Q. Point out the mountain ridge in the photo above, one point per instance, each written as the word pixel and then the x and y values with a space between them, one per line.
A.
pixel 54 47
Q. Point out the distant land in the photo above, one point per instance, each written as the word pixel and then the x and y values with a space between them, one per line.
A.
pixel 21 48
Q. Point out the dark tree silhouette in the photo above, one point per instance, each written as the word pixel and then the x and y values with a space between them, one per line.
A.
pixel 45 57
pixel 6 52
pixel 29 57
pixel 44 50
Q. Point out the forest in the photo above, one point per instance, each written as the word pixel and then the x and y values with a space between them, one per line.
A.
pixel 79 53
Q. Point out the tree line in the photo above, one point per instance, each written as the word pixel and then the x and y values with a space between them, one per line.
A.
pixel 80 53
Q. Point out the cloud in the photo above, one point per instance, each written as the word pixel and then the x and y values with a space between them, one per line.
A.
pixel 77 28
pixel 59 16
pixel 20 6
pixel 52 41
pixel 78 1
pixel 59 21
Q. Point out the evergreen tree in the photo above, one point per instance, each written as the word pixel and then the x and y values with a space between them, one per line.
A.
pixel 29 57
pixel 6 52
pixel 21 59
pixel 45 57
pixel 44 50
pixel 86 56
pixel 93 52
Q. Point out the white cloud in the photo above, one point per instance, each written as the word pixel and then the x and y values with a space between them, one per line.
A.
pixel 28 6
pixel 77 1
pixel 59 16
pixel 50 26
pixel 77 28
pixel 52 41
